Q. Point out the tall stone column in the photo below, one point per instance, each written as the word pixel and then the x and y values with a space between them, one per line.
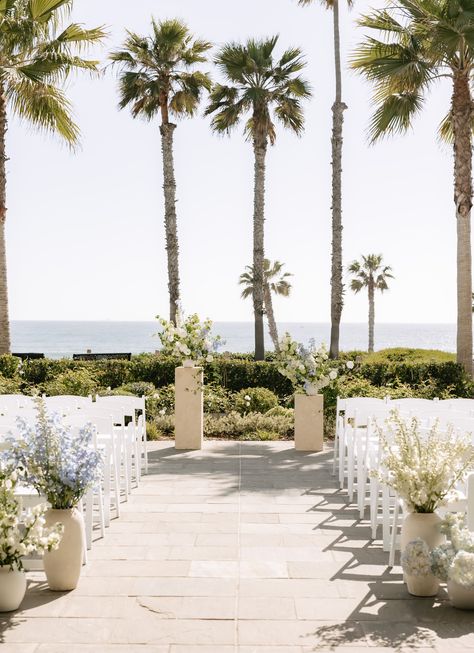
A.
pixel 309 422
pixel 189 407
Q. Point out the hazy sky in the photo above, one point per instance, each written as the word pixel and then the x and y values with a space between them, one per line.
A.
pixel 85 231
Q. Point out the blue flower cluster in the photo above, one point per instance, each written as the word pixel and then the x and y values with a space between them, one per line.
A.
pixel 60 464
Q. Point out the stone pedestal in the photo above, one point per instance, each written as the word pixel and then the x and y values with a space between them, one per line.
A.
pixel 309 422
pixel 189 403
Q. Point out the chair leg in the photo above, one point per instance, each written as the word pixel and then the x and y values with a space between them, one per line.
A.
pixel 393 540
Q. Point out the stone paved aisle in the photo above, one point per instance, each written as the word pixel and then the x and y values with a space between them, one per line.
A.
pixel 240 548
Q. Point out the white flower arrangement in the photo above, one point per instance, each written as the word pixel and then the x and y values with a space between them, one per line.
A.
pixel 455 560
pixel 308 368
pixel 25 533
pixel 423 468
pixel 189 339
pixel 416 559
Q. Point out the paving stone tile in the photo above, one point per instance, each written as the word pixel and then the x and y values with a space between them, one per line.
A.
pixel 202 561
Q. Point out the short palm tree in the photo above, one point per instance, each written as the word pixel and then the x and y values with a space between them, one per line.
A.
pixel 275 282
pixel 420 42
pixel 370 273
pixel 36 58
pixel 159 79
pixel 338 108
pixel 260 90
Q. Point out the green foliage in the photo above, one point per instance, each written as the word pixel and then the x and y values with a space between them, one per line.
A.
pixel 216 399
pixel 255 400
pixel 234 425
pixel 404 355
pixel 280 411
pixel 138 388
pixel 9 385
pixel 72 382
pixel 9 365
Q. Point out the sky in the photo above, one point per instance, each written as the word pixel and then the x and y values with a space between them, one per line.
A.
pixel 85 233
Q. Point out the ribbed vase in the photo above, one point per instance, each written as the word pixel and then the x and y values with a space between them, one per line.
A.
pixel 63 566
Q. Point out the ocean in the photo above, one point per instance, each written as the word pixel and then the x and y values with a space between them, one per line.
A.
pixel 63 339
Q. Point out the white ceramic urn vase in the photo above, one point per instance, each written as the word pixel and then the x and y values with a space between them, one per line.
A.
pixel 460 597
pixel 63 566
pixel 12 588
pixel 423 526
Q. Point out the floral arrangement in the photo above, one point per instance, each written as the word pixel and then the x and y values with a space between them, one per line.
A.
pixel 21 534
pixel 308 368
pixel 189 338
pixel 455 560
pixel 416 559
pixel 59 464
pixel 423 467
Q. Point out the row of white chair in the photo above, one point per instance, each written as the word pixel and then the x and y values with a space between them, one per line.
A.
pixel 357 453
pixel 119 424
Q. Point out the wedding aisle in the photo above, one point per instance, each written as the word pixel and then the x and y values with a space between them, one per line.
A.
pixel 239 548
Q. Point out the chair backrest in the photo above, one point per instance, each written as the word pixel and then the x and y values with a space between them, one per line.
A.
pixel 126 401
pixel 68 402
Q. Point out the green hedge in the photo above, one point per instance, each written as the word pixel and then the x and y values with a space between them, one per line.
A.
pixel 384 369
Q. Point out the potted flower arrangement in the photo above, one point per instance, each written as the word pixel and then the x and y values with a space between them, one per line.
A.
pixel 189 340
pixel 423 467
pixel 453 562
pixel 310 370
pixel 21 533
pixel 61 466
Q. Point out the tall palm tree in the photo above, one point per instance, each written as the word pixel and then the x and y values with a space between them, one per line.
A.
pixel 370 273
pixel 338 108
pixel 275 281
pixel 260 90
pixel 159 79
pixel 36 58
pixel 421 42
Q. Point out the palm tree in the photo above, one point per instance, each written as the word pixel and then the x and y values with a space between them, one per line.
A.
pixel 158 78
pixel 276 282
pixel 371 274
pixel 338 108
pixel 421 42
pixel 36 58
pixel 259 90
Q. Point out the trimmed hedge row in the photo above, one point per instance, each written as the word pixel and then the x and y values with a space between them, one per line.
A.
pixel 235 373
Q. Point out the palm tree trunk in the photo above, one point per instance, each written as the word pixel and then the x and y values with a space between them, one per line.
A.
pixel 462 117
pixel 272 327
pixel 4 317
pixel 171 228
pixel 371 316
pixel 260 150
pixel 338 109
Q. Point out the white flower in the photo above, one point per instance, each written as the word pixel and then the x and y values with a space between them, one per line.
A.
pixel 333 375
pixel 350 365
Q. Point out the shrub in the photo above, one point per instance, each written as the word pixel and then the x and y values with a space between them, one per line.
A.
pixel 280 411
pixel 260 434
pixel 72 382
pixel 234 425
pixel 138 388
pixel 255 400
pixel 9 365
pixel 9 386
pixel 216 399
pixel 111 373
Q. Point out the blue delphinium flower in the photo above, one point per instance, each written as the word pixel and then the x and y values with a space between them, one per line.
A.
pixel 58 463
